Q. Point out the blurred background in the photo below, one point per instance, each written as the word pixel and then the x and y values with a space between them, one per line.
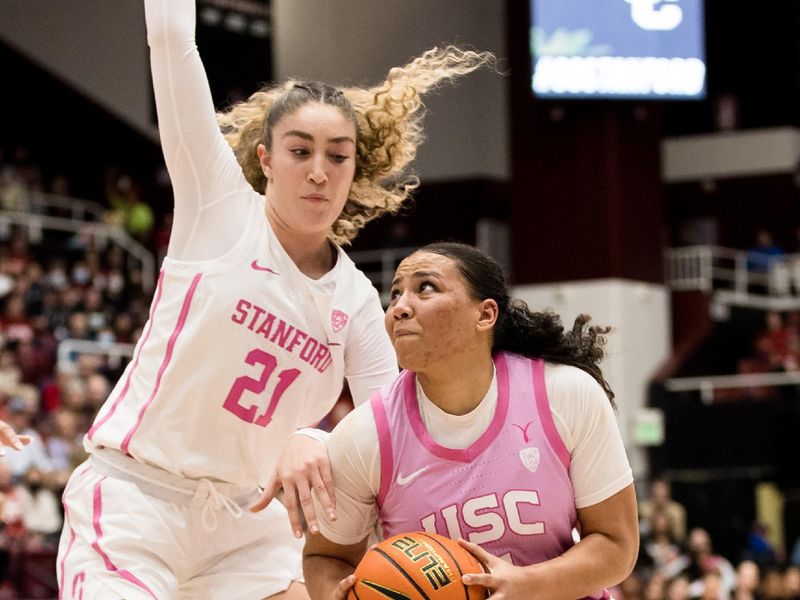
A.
pixel 637 160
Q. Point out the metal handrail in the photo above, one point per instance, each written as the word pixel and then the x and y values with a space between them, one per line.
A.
pixel 379 266
pixel 706 384
pixel 101 231
pixel 113 350
pixel 707 268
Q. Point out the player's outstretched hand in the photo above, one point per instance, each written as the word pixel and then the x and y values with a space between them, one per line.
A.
pixel 8 437
pixel 504 580
pixel 303 467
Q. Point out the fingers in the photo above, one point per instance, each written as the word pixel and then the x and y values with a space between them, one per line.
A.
pixel 344 585
pixel 267 496
pixel 482 555
pixel 8 437
pixel 296 499
pixel 486 580
pixel 323 488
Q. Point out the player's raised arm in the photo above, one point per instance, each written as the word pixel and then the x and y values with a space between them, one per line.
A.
pixel 190 137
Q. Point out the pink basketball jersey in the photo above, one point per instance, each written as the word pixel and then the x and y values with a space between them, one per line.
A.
pixel 509 491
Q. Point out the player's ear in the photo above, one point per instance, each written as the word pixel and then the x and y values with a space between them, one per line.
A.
pixel 487 315
pixel 265 158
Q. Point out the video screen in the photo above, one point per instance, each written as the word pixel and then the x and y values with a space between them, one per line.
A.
pixel 623 49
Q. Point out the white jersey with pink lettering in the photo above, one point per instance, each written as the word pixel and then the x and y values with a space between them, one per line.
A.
pixel 238 353
pixel 241 348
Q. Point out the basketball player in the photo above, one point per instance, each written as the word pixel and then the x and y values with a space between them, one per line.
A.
pixel 257 317
pixel 500 431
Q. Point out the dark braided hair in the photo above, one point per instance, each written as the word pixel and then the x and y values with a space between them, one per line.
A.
pixel 520 330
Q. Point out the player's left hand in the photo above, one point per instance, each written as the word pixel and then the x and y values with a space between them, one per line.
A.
pixel 302 467
pixel 504 580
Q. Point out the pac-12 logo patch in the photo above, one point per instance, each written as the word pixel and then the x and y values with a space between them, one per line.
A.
pixel 338 320
pixel 530 458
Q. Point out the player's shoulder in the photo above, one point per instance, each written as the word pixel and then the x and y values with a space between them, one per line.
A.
pixel 570 382
pixel 567 374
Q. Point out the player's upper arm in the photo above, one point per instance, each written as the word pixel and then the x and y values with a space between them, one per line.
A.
pixel 599 466
pixel 370 361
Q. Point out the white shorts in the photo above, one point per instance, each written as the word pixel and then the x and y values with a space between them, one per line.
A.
pixel 136 532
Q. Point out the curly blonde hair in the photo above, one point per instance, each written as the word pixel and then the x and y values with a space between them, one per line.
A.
pixel 388 121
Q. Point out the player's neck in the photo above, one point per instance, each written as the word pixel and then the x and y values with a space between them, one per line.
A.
pixel 313 254
pixel 457 390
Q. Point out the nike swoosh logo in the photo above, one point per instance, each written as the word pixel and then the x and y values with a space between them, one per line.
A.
pixel 258 267
pixel 384 591
pixel 404 480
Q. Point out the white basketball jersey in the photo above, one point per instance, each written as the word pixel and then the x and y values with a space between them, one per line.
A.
pixel 237 354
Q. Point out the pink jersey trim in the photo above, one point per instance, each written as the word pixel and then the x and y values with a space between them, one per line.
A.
pixel 384 444
pixel 62 567
pixel 100 422
pixel 187 302
pixel 79 578
pixel 97 507
pixel 488 436
pixel 66 553
pixel 545 415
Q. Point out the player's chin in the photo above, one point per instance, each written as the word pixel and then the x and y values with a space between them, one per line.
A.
pixel 407 358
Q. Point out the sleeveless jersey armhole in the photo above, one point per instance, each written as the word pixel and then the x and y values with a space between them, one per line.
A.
pixel 384 445
pixel 545 415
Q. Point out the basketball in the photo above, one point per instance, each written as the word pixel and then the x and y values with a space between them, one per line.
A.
pixel 416 566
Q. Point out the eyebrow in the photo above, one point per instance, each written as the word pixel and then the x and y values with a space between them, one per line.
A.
pixel 419 275
pixel 310 138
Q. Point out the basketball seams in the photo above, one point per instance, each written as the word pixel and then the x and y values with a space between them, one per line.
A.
pixel 402 571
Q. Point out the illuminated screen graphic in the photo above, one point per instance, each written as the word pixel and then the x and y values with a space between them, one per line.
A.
pixel 648 49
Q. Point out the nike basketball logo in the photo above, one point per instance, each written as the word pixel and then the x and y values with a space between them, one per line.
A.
pixel 404 480
pixel 384 591
pixel 258 267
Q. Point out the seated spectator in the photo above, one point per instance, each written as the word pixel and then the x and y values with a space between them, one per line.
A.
pixel 758 548
pixel 12 526
pixel 32 455
pixel 41 511
pixel 658 544
pixel 791 582
pixel 660 499
pixel 630 589
pixel 761 259
pixel 65 439
pixel 702 561
pixel 678 588
pixel 14 321
pixel 772 585
pixel 655 588
pixel 712 588
pixel 748 579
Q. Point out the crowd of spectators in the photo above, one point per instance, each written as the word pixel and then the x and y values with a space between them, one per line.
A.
pixel 53 287
pixel 676 564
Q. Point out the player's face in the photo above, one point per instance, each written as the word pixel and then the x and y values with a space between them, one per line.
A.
pixel 310 168
pixel 431 318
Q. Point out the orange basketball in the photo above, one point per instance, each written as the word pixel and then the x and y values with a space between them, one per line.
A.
pixel 416 566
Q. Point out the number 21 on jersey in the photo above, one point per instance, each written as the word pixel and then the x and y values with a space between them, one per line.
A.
pixel 249 412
